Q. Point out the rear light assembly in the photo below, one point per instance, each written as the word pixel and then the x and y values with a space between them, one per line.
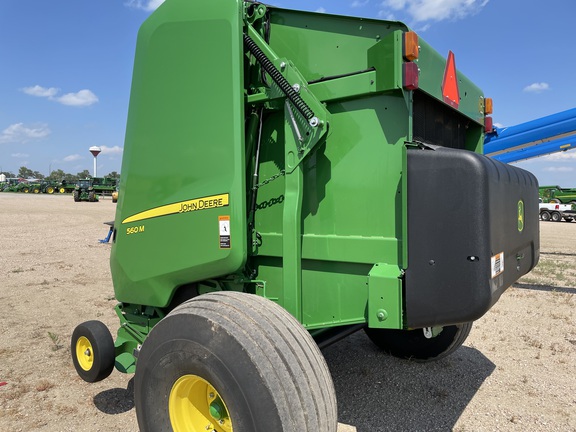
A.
pixel 410 52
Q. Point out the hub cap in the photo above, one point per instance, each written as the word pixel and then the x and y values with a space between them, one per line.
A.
pixel 196 406
pixel 84 353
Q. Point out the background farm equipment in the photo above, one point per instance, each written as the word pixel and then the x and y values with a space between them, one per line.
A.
pixel 556 194
pixel 104 185
pixel 84 191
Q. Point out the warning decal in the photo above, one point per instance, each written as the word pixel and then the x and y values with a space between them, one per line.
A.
pixel 497 262
pixel 224 228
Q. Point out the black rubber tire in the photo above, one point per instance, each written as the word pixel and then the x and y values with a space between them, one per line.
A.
pixel 413 345
pixel 263 363
pixel 545 215
pixel 568 219
pixel 556 217
pixel 103 352
pixel 76 196
pixel 91 196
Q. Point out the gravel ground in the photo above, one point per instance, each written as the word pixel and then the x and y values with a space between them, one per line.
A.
pixel 514 373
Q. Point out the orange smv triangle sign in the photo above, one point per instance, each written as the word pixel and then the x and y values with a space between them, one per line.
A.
pixel 450 83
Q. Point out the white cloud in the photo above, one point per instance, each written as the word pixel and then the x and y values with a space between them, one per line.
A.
pixel 20 155
pixel 73 158
pixel 434 10
pixel 147 5
pixel 537 87
pixel 394 4
pixel 358 3
pixel 41 91
pixel 563 155
pixel 19 133
pixel 81 98
pixel 559 169
pixel 321 10
pixel 111 150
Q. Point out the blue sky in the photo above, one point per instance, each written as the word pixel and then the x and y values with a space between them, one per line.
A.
pixel 66 65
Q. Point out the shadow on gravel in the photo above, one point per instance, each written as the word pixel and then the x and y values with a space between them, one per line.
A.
pixel 377 392
pixel 547 288
pixel 116 400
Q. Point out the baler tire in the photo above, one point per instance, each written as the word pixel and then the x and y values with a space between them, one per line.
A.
pixel 413 345
pixel 545 215
pixel 243 349
pixel 50 190
pixel 62 190
pixel 92 349
pixel 556 217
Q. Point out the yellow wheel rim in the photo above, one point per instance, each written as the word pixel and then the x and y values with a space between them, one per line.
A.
pixel 196 406
pixel 62 190
pixel 84 353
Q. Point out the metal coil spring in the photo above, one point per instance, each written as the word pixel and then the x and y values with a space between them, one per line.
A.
pixel 278 78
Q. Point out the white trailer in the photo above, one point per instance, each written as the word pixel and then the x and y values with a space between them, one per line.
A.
pixel 557 212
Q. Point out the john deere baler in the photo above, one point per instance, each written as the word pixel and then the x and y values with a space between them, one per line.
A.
pixel 290 177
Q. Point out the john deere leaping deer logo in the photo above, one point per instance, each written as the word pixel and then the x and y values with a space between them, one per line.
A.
pixel 520 215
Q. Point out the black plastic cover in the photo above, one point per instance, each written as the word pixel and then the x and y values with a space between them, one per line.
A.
pixel 465 212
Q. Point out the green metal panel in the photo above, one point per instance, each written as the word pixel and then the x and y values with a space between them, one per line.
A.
pixel 183 165
pixel 352 209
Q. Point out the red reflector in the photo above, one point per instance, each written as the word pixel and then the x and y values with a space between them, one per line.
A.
pixel 488 125
pixel 410 76
pixel 450 83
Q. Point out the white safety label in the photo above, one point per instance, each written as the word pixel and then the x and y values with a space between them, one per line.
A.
pixel 497 264
pixel 224 228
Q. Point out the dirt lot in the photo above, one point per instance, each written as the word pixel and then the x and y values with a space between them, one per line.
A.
pixel 516 371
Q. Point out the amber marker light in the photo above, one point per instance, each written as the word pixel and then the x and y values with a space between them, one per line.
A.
pixel 488 107
pixel 411 49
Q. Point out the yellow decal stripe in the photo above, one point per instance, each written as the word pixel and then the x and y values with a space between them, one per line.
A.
pixel 196 204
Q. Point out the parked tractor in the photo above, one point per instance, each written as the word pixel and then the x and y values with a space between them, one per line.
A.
pixel 281 181
pixel 11 185
pixel 84 191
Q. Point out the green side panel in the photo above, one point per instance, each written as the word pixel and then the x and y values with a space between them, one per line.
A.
pixel 353 209
pixel 324 45
pixel 183 165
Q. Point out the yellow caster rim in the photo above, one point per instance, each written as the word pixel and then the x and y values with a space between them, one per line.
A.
pixel 84 353
pixel 196 406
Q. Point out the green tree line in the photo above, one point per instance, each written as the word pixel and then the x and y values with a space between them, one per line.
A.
pixel 55 175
